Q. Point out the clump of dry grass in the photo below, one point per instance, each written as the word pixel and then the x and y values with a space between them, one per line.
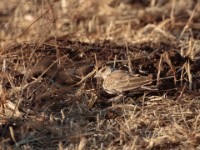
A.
pixel 58 104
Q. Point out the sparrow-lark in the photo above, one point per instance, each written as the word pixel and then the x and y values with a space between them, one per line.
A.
pixel 119 81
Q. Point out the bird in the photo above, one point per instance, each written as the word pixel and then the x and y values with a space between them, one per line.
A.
pixel 120 81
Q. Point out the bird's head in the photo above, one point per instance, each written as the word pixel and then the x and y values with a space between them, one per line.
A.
pixel 103 72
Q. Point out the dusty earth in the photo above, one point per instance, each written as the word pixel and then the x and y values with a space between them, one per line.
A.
pixel 51 50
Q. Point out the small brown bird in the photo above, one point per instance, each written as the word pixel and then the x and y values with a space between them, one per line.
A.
pixel 119 81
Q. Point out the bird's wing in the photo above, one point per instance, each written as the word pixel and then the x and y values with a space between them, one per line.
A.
pixel 135 82
pixel 122 81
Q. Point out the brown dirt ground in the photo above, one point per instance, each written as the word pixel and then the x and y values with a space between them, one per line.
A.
pixel 51 50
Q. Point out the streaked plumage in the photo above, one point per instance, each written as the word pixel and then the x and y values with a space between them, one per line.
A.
pixel 119 81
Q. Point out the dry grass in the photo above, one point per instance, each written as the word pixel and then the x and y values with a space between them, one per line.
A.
pixel 51 49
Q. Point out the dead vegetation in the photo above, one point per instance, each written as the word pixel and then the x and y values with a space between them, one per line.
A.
pixel 51 50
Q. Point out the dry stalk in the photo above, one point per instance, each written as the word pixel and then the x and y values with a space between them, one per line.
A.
pixel 115 59
pixel 188 70
pixel 191 49
pixel 181 94
pixel 167 59
pixel 92 100
pixel 85 78
pixel 12 134
pixel 129 59
pixel 189 20
pixel 160 67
